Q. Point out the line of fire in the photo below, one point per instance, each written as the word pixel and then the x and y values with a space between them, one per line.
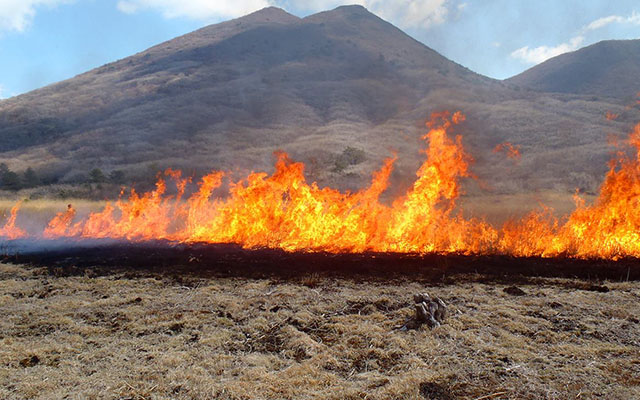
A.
pixel 283 211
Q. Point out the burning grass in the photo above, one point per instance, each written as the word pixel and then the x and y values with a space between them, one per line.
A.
pixel 283 211
pixel 164 335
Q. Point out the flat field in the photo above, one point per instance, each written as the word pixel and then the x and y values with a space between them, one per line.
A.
pixel 144 335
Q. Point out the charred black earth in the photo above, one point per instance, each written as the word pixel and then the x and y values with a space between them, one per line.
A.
pixel 73 257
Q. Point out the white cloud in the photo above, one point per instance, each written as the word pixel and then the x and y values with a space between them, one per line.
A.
pixel 406 13
pixel 634 19
pixel 195 9
pixel 539 54
pixel 410 13
pixel 16 15
pixel 127 7
pixel 602 22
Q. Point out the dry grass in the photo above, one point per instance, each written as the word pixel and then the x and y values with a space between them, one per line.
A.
pixel 51 205
pixel 34 215
pixel 156 337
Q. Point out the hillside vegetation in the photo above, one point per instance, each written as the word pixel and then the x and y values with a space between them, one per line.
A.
pixel 227 95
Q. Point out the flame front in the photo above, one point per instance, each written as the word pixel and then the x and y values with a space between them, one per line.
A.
pixel 283 211
pixel 610 228
pixel 10 230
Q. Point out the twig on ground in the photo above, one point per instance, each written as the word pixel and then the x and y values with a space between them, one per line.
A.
pixel 490 396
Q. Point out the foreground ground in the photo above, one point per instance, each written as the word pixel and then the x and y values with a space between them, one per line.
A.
pixel 154 336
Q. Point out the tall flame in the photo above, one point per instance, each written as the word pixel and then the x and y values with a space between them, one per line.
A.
pixel 610 228
pixel 10 230
pixel 283 210
pixel 61 225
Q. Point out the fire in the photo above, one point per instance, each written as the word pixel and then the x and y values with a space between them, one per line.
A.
pixel 10 230
pixel 610 228
pixel 60 225
pixel 513 152
pixel 283 210
pixel 611 116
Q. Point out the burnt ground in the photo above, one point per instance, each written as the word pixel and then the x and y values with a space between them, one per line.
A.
pixel 217 260
pixel 155 322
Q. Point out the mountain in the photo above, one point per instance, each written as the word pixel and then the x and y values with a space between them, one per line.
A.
pixel 608 68
pixel 268 70
pixel 322 88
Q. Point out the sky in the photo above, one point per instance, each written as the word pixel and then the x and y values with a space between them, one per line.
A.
pixel 45 41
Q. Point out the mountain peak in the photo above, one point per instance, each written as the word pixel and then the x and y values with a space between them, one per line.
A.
pixel 216 33
pixel 269 14
pixel 348 11
pixel 352 9
pixel 607 68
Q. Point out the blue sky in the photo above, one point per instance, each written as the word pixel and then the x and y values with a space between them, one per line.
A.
pixel 45 41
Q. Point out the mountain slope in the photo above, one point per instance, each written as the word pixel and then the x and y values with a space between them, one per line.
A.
pixel 608 68
pixel 227 95
pixel 266 70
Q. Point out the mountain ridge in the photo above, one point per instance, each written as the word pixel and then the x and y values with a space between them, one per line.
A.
pixel 227 95
pixel 606 68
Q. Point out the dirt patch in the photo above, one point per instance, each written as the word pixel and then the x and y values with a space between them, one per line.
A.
pixel 514 291
pixel 30 361
pixel 435 391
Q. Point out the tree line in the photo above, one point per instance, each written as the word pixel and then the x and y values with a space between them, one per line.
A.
pixel 11 180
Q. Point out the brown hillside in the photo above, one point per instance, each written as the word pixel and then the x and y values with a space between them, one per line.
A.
pixel 226 96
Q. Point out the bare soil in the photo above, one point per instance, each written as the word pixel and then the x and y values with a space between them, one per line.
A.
pixel 159 335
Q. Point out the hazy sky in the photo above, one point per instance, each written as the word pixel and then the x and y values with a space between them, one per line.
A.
pixel 44 41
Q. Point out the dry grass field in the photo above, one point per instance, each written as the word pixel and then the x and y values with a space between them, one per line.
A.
pixel 143 335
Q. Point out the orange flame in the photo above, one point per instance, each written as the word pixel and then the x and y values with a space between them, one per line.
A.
pixel 611 116
pixel 610 228
pixel 282 210
pixel 513 152
pixel 60 225
pixel 10 230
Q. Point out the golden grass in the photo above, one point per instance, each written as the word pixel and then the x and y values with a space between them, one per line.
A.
pixel 34 215
pixel 51 205
pixel 154 336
